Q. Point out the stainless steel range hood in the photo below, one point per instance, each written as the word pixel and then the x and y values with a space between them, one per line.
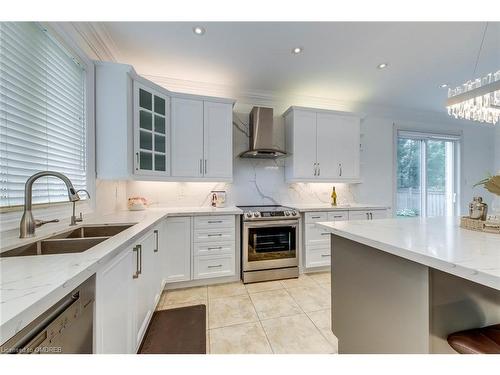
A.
pixel 261 143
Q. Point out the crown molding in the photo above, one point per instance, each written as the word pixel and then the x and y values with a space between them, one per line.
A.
pixel 95 39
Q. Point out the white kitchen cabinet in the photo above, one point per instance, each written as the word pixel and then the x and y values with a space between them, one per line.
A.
pixel 202 145
pixel 301 142
pixel 323 146
pixel 151 130
pixel 115 294
pixel 187 137
pixel 177 260
pixel 144 285
pixel 132 124
pixel 218 140
pixel 200 247
pixel 317 240
pixel 338 146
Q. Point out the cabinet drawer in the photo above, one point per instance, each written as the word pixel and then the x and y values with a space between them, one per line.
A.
pixel 318 257
pixel 213 266
pixel 313 217
pixel 338 215
pixel 214 235
pixel 316 236
pixel 214 248
pixel 220 221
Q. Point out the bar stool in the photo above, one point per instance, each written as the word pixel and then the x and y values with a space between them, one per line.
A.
pixel 484 340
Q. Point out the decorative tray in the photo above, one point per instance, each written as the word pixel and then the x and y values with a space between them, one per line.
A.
pixel 489 226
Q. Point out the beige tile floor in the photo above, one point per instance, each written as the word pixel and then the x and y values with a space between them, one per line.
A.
pixel 287 316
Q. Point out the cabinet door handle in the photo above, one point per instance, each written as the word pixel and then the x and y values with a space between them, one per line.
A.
pixel 319 169
pixel 214 234
pixel 367 216
pixel 136 273
pixel 325 234
pixel 340 169
pixel 314 169
pixel 205 166
pixel 215 248
pixel 325 255
pixel 201 166
pixel 140 259
pixel 214 221
pixel 156 241
pixel 371 216
pixel 217 266
pixel 136 161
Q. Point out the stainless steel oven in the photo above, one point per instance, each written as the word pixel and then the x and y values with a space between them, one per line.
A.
pixel 270 244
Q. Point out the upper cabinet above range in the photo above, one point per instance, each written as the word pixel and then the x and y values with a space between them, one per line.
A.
pixel 322 145
pixel 146 132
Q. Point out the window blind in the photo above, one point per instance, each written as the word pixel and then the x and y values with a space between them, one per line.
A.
pixel 42 114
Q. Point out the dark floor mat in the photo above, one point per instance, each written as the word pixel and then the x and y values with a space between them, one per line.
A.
pixel 176 331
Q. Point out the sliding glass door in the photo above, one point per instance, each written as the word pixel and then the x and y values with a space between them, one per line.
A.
pixel 427 174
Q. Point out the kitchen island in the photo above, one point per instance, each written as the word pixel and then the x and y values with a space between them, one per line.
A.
pixel 402 285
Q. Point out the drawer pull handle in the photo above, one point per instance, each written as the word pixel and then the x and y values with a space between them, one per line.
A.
pixel 215 235
pixel 325 255
pixel 156 241
pixel 337 216
pixel 315 217
pixel 217 266
pixel 214 221
pixel 215 248
pixel 325 234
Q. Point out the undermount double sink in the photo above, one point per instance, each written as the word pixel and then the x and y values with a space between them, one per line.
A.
pixel 72 241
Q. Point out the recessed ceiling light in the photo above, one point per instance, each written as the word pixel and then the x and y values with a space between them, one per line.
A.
pixel 198 30
pixel 297 50
pixel 382 65
pixel 443 85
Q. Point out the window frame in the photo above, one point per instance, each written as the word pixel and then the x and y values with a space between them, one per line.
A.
pixel 429 133
pixel 10 216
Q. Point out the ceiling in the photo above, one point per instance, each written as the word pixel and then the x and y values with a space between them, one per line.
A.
pixel 339 60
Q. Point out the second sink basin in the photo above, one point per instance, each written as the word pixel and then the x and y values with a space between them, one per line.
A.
pixel 94 231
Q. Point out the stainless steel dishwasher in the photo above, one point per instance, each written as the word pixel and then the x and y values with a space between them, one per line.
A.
pixel 66 327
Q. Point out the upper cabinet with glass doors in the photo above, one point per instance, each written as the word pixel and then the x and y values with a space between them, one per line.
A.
pixel 151 131
pixel 146 132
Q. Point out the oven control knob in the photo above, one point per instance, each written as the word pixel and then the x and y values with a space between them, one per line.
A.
pixel 256 214
pixel 249 214
pixel 294 213
pixel 287 213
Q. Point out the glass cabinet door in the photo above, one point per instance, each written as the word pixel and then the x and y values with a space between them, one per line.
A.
pixel 150 113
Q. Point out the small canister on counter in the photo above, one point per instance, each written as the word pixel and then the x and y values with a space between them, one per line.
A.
pixel 478 210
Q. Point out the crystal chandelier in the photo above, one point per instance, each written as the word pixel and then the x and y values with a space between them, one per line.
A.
pixel 477 100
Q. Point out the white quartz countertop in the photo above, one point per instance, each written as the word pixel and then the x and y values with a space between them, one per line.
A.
pixel 29 285
pixel 308 207
pixel 438 243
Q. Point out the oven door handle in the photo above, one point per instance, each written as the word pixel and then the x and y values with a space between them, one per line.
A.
pixel 267 224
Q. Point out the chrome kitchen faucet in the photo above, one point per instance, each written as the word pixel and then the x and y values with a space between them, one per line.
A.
pixel 28 223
